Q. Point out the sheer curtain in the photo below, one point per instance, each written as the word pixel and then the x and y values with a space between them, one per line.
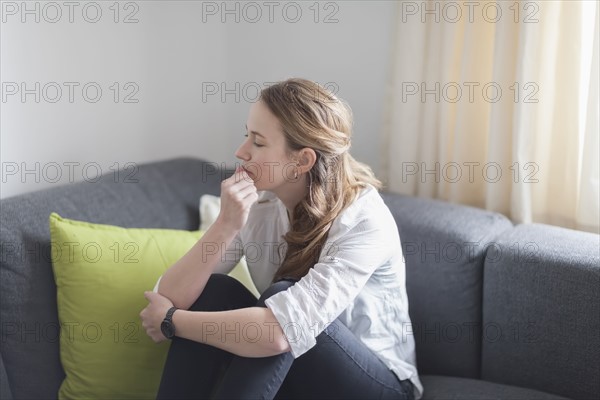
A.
pixel 495 105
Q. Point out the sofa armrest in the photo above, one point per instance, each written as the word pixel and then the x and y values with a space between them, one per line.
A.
pixel 541 311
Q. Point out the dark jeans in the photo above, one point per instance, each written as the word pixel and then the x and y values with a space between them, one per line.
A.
pixel 338 366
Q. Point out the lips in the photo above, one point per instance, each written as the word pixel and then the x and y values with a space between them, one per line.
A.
pixel 246 169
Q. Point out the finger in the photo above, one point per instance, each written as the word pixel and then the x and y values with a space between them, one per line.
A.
pixel 232 179
pixel 239 174
pixel 243 174
pixel 244 181
pixel 246 178
pixel 251 198
pixel 245 191
pixel 243 199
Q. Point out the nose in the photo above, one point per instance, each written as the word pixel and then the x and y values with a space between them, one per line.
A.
pixel 242 152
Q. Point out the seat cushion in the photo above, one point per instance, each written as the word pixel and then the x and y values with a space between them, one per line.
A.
pixel 451 388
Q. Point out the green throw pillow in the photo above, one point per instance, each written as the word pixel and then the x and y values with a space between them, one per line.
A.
pixel 101 273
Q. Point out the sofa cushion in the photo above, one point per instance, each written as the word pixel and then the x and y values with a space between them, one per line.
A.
pixel 444 246
pixel 451 388
pixel 157 195
pixel 541 310
pixel 101 272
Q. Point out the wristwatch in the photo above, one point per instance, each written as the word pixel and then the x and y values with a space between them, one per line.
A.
pixel 167 327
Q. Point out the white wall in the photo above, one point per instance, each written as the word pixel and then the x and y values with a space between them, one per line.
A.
pixel 174 51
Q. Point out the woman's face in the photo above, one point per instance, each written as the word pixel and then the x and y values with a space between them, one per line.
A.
pixel 264 152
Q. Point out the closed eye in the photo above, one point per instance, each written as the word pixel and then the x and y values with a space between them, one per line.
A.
pixel 254 143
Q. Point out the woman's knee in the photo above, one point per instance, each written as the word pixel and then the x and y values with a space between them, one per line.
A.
pixel 279 286
pixel 223 292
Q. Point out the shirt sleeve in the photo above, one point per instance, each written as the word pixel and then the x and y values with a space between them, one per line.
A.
pixel 348 259
pixel 230 257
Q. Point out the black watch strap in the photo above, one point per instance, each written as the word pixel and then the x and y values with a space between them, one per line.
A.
pixel 167 327
pixel 169 316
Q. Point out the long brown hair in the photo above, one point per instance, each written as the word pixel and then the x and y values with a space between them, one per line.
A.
pixel 313 117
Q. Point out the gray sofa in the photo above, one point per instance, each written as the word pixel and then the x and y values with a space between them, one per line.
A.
pixel 499 311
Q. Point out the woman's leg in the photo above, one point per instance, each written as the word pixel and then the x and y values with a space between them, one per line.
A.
pixel 338 366
pixel 341 366
pixel 256 378
pixel 192 368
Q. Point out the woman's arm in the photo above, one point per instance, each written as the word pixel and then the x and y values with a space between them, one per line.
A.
pixel 246 332
pixel 184 281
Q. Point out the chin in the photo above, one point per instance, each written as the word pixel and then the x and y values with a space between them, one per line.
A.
pixel 268 186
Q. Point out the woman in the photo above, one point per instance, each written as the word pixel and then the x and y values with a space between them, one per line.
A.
pixel 324 252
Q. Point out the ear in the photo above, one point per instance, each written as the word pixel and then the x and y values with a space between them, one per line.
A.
pixel 306 159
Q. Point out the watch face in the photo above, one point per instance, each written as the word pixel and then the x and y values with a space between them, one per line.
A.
pixel 167 329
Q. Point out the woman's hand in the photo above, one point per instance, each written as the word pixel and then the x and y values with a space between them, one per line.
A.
pixel 153 315
pixel 238 193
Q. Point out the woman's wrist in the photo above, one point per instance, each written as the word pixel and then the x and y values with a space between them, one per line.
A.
pixel 224 228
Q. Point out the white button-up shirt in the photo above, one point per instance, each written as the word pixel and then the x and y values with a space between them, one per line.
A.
pixel 359 278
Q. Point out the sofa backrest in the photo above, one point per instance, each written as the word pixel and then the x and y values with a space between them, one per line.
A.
pixel 157 195
pixel 444 247
pixel 541 305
